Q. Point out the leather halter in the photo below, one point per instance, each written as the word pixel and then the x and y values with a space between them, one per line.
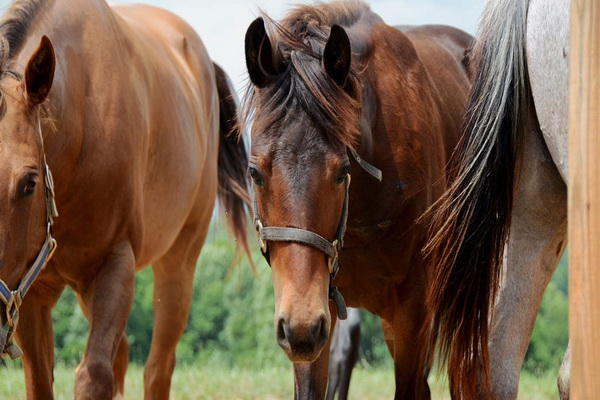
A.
pixel 309 238
pixel 13 298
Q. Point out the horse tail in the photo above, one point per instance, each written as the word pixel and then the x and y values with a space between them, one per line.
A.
pixel 470 222
pixel 233 195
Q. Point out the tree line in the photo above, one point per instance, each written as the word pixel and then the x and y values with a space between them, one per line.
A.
pixel 231 319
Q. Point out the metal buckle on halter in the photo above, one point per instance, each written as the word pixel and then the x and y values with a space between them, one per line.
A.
pixel 52 210
pixel 332 261
pixel 261 242
pixel 12 309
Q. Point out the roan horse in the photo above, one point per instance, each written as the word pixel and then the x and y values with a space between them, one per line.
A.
pixel 510 189
pixel 328 81
pixel 123 105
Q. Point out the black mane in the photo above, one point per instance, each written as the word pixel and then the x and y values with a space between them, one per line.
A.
pixel 303 85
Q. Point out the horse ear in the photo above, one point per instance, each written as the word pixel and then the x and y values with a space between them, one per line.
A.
pixel 337 55
pixel 39 73
pixel 259 54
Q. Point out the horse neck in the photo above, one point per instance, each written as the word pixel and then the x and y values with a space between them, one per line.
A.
pixel 82 25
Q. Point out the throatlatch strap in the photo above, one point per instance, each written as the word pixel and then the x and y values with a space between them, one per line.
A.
pixel 371 170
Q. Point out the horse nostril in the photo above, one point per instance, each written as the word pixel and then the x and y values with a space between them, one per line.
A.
pixel 324 329
pixel 281 336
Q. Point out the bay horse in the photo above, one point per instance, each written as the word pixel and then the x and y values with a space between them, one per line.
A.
pixel 343 355
pixel 501 228
pixel 125 107
pixel 333 90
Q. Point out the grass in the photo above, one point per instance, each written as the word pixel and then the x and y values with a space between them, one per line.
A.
pixel 220 383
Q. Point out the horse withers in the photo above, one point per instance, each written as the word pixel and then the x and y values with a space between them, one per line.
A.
pixel 337 91
pixel 122 105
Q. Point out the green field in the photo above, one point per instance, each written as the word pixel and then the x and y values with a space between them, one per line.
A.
pixel 204 382
pixel 229 350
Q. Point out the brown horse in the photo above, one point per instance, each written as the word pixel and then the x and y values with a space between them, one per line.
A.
pixel 328 81
pixel 123 103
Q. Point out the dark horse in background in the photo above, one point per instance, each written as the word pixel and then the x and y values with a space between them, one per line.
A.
pixel 343 355
pixel 333 86
pixel 126 109
pixel 501 229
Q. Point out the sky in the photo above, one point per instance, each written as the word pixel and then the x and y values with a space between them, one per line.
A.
pixel 222 24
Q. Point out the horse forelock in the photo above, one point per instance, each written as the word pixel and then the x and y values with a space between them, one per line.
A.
pixel 303 87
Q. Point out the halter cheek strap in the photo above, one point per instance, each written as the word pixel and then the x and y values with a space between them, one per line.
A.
pixel 12 299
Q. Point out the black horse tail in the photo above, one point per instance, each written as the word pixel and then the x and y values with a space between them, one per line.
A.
pixel 471 220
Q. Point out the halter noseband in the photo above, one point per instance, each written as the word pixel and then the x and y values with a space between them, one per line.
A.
pixel 13 298
pixel 309 238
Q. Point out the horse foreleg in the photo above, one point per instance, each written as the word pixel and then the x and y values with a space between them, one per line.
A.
pixel 388 336
pixel 120 367
pixel 108 299
pixel 537 239
pixel 121 358
pixel 411 383
pixel 34 336
pixel 173 285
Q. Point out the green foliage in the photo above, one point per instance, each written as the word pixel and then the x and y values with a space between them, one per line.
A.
pixel 232 310
pixel 70 328
pixel 373 350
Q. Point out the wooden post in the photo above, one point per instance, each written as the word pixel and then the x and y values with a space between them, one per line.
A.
pixel 584 199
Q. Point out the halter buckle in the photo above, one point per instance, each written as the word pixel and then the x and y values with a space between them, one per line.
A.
pixel 12 309
pixel 262 243
pixel 332 261
pixel 52 210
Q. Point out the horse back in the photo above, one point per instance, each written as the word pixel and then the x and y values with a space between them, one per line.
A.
pixel 444 52
pixel 183 122
pixel 421 81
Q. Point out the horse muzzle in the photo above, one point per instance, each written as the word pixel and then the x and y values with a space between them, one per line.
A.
pixel 302 341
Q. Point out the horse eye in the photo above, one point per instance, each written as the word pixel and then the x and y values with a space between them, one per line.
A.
pixel 256 176
pixel 29 186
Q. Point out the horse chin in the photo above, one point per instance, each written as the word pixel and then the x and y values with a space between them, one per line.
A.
pixel 304 352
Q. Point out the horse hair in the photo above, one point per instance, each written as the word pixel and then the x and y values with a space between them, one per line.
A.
pixel 303 85
pixel 14 27
pixel 470 227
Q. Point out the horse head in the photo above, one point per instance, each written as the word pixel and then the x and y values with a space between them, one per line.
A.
pixel 305 112
pixel 25 217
